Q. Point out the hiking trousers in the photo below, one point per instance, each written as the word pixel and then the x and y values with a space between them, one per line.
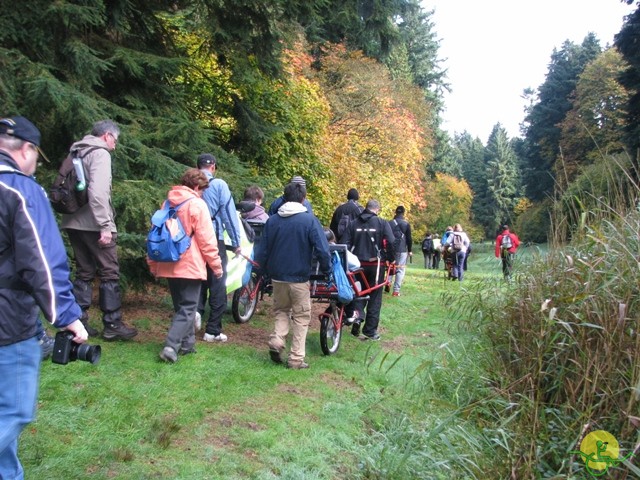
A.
pixel 292 309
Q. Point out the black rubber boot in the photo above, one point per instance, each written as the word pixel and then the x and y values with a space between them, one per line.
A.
pixel 83 292
pixel 110 303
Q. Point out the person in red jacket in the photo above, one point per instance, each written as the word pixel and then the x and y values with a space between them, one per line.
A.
pixel 507 244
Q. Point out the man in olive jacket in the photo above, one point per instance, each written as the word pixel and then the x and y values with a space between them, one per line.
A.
pixel 92 233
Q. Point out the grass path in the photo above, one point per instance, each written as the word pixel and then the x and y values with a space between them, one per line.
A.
pixel 227 412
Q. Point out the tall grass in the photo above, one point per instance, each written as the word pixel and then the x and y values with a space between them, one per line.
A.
pixel 565 332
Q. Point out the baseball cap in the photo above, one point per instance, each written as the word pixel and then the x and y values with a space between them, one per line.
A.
pixel 23 129
pixel 206 159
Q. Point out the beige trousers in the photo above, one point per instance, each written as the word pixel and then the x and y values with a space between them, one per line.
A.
pixel 291 303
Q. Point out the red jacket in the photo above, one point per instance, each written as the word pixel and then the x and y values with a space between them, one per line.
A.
pixel 203 251
pixel 515 242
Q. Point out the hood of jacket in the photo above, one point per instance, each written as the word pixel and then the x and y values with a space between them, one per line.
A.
pixel 291 208
pixel 89 141
pixel 179 194
pixel 366 215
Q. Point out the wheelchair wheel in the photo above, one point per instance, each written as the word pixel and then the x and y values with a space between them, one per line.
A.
pixel 244 301
pixel 330 331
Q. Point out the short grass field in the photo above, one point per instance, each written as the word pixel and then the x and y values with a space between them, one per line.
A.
pixel 398 408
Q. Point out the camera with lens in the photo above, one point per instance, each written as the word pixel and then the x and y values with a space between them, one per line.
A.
pixel 65 350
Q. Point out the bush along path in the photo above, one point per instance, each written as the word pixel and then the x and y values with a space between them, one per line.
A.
pixel 417 404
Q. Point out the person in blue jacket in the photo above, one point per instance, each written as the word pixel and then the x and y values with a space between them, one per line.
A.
pixel 34 277
pixel 285 252
pixel 224 216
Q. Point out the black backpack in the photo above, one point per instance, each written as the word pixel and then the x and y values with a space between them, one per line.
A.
pixel 343 224
pixel 427 245
pixel 400 242
pixel 68 193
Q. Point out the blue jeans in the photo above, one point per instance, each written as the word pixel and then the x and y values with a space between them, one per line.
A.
pixel 458 265
pixel 19 370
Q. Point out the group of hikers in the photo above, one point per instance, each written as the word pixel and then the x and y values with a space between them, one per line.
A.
pixel 35 275
pixel 454 249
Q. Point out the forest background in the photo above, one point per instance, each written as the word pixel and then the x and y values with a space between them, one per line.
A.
pixel 343 93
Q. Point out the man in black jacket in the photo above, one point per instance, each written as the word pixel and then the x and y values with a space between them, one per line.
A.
pixel 370 238
pixel 345 214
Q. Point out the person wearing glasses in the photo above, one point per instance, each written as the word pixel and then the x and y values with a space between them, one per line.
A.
pixel 92 234
pixel 34 278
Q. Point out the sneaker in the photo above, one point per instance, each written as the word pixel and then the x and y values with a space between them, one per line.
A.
pixel 198 321
pixel 209 337
pixel 276 356
pixel 375 337
pixel 46 346
pixel 186 351
pixel 396 294
pixel 355 330
pixel 168 354
pixel 351 320
pixel 118 331
pixel 297 365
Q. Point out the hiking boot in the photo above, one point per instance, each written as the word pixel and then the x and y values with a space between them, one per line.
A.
pixel 355 330
pixel 198 321
pixel 118 331
pixel 169 355
pixel 276 356
pixel 46 346
pixel 297 365
pixel 209 337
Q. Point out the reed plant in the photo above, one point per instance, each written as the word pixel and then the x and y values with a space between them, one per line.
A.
pixel 565 332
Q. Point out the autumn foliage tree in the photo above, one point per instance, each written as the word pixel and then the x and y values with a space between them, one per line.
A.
pixel 374 142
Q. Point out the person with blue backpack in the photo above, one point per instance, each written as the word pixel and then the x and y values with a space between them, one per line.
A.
pixel 186 275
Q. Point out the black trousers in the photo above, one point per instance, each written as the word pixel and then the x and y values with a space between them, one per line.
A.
pixel 217 290
pixel 374 274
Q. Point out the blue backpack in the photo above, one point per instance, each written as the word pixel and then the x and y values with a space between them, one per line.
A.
pixel 167 240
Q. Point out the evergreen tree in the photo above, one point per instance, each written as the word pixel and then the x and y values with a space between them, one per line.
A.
pixel 628 44
pixel 503 180
pixel 471 152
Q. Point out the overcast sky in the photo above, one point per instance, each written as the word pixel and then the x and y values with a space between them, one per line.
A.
pixel 494 49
